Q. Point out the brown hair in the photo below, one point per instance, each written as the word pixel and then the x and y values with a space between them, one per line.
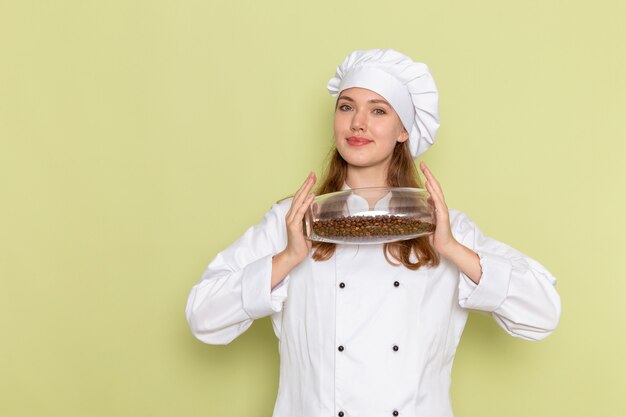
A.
pixel 402 173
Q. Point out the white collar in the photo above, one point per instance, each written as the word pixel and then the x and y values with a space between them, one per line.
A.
pixel 357 204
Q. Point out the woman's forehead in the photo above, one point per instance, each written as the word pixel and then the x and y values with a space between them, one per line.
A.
pixel 361 94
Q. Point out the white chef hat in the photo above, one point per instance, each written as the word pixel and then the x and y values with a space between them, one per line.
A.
pixel 406 85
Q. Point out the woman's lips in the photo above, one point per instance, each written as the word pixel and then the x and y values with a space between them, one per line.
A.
pixel 357 141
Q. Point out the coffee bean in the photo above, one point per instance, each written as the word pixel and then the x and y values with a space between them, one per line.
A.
pixel 362 227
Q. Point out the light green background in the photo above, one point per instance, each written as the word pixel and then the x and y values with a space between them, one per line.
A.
pixel 139 138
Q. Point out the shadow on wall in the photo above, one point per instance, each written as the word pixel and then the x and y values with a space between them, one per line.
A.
pixel 259 341
pixel 484 341
pixel 248 368
pixel 481 333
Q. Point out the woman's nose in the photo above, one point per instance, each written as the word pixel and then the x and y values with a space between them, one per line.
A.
pixel 358 121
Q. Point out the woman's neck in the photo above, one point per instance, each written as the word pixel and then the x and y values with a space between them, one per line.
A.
pixel 361 177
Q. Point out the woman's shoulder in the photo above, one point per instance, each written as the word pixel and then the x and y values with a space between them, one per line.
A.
pixel 459 221
pixel 276 213
pixel 270 230
pixel 282 206
pixel 457 216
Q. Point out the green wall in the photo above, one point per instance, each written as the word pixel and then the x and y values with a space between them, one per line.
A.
pixel 139 138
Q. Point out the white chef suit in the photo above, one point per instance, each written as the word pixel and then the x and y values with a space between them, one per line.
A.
pixel 358 336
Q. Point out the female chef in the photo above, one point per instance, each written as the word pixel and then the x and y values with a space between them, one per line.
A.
pixel 371 330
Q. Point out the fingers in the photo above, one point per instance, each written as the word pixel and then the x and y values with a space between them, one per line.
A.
pixel 299 214
pixel 301 200
pixel 297 245
pixel 432 181
pixel 305 184
pixel 443 237
pixel 435 191
pixel 436 201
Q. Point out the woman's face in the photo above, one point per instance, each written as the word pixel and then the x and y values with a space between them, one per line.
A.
pixel 367 128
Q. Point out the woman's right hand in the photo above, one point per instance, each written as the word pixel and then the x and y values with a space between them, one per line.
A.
pixel 297 246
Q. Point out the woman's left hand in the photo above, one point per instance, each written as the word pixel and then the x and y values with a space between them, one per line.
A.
pixel 442 240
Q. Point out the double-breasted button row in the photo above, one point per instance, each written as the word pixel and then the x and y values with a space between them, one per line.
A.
pixel 343 284
pixel 395 348
pixel 395 413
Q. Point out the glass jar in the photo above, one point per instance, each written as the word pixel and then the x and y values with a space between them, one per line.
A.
pixel 370 215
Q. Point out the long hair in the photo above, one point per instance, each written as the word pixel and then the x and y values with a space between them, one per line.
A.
pixel 401 173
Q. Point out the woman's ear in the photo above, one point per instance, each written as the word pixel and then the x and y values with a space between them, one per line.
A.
pixel 404 136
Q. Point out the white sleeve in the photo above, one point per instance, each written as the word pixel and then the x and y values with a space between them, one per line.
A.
pixel 235 288
pixel 519 292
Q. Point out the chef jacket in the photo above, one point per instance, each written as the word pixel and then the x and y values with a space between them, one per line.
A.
pixel 361 337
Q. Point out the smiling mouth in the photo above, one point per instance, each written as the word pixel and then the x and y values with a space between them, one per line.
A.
pixel 357 141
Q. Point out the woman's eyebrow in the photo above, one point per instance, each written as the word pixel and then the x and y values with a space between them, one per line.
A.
pixel 373 101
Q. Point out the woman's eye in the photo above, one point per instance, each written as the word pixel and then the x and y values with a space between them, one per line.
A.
pixel 345 107
pixel 379 111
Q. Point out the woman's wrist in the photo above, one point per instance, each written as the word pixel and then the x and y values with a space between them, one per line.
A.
pixel 451 249
pixel 464 258
pixel 282 264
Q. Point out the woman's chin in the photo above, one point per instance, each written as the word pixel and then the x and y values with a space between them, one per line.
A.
pixel 363 157
pixel 363 163
pixel 355 160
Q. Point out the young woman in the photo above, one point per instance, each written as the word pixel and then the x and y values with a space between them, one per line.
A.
pixel 371 330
